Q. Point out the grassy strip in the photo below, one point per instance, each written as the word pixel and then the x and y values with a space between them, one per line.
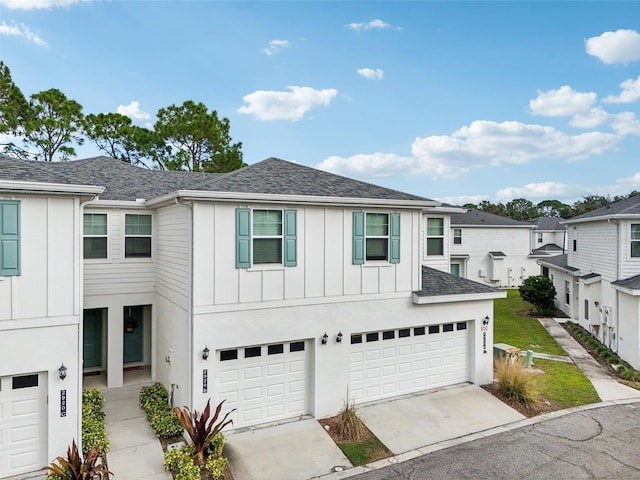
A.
pixel 564 384
pixel 360 453
pixel 522 332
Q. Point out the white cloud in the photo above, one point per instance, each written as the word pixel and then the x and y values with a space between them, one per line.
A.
pixel 590 119
pixel 538 191
pixel 630 92
pixel 562 102
pixel 481 144
pixel 371 73
pixel 21 30
pixel 463 199
pixel 621 46
pixel 376 24
pixel 625 123
pixel 275 46
pixel 37 4
pixel 291 105
pixel 133 111
pixel 374 165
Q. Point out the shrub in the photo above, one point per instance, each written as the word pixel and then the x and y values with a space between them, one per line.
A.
pixel 216 467
pixel 515 382
pixel 628 374
pixel 74 467
pixel 94 435
pixel 202 427
pixel 215 447
pixel 348 425
pixel 154 401
pixel 539 291
pixel 180 462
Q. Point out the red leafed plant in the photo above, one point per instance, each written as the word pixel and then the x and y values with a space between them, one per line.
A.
pixel 75 468
pixel 202 427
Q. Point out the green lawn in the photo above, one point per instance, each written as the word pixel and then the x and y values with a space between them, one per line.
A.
pixel 563 384
pixel 523 332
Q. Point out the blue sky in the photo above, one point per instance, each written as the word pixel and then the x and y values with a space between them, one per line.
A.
pixel 456 101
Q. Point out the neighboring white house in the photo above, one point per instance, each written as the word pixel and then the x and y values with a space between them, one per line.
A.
pixel 598 280
pixel 549 237
pixel 283 289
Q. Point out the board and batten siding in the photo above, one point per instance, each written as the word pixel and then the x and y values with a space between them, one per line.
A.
pixel 629 266
pixel 117 274
pixel 597 245
pixel 324 259
pixel 49 281
pixel 172 244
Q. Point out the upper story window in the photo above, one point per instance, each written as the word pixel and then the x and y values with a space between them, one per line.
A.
pixel 540 237
pixel 266 237
pixel 457 236
pixel 435 236
pixel 9 238
pixel 635 240
pixel 376 237
pixel 137 236
pixel 94 230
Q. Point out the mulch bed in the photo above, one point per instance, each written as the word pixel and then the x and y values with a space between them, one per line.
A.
pixel 377 453
pixel 204 474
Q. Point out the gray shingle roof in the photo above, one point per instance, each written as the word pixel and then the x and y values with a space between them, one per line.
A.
pixel 478 218
pixel 438 283
pixel 559 261
pixel 632 283
pixel 589 276
pixel 627 206
pixel 547 248
pixel 123 181
pixel 548 223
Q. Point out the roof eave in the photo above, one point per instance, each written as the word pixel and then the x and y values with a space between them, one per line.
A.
pixel 464 297
pixel 629 291
pixel 602 218
pixel 15 186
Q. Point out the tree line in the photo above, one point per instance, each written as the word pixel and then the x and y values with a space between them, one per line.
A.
pixel 47 125
pixel 522 209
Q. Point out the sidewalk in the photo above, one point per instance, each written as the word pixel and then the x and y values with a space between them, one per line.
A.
pixel 608 387
pixel 136 453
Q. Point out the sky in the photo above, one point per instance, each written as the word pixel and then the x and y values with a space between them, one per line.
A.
pixel 455 101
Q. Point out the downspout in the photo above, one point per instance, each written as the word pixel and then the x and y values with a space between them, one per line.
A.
pixel 617 301
pixel 80 257
pixel 191 386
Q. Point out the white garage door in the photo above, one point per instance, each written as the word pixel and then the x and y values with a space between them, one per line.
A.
pixel 395 362
pixel 23 423
pixel 265 383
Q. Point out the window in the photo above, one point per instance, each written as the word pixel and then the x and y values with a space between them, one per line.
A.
pixel 9 238
pixel 226 355
pixel 635 240
pixel 356 338
pixel 434 329
pixel 372 337
pixel 24 381
pixel 539 237
pixel 389 335
pixel 435 236
pixel 94 229
pixel 404 332
pixel 457 236
pixel 575 245
pixel 567 292
pixel 447 327
pixel 137 236
pixel 296 347
pixel 250 352
pixel 586 309
pixel 376 236
pixel 275 349
pixel 545 272
pixel 265 237
pixel 455 269
pixel 461 326
pixel 418 331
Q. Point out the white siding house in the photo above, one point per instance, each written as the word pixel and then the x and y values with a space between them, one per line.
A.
pixel 281 289
pixel 600 276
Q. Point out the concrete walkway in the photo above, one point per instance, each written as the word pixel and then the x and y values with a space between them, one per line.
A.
pixel 608 387
pixel 136 453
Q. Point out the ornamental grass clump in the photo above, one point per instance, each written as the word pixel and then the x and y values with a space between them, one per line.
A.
pixel 348 425
pixel 516 383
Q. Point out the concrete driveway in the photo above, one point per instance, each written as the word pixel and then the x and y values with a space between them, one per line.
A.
pixel 419 420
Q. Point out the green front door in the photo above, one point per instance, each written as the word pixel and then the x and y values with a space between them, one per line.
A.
pixel 92 338
pixel 133 321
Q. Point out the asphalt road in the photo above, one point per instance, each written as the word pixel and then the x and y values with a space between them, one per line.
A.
pixel 602 443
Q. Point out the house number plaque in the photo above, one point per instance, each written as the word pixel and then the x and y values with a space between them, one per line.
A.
pixel 484 342
pixel 205 380
pixel 63 403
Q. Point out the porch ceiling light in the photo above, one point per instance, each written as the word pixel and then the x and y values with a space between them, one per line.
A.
pixel 325 337
pixel 205 353
pixel 62 371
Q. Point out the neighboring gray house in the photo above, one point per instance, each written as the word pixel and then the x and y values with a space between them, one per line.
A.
pixel 285 290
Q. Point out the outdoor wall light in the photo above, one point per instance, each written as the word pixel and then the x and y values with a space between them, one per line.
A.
pixel 325 337
pixel 205 353
pixel 339 337
pixel 62 371
pixel 485 321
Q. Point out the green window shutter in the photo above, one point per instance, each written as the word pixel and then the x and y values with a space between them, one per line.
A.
pixel 290 238
pixel 358 238
pixel 394 255
pixel 9 237
pixel 243 238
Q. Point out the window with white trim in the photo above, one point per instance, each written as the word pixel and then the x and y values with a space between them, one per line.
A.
pixel 94 230
pixel 635 240
pixel 567 292
pixel 377 236
pixel 435 236
pixel 457 236
pixel 267 236
pixel 137 236
pixel 540 237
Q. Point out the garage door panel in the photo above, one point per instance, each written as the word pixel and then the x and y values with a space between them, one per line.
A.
pixel 275 369
pixel 297 366
pixel 251 373
pixel 408 363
